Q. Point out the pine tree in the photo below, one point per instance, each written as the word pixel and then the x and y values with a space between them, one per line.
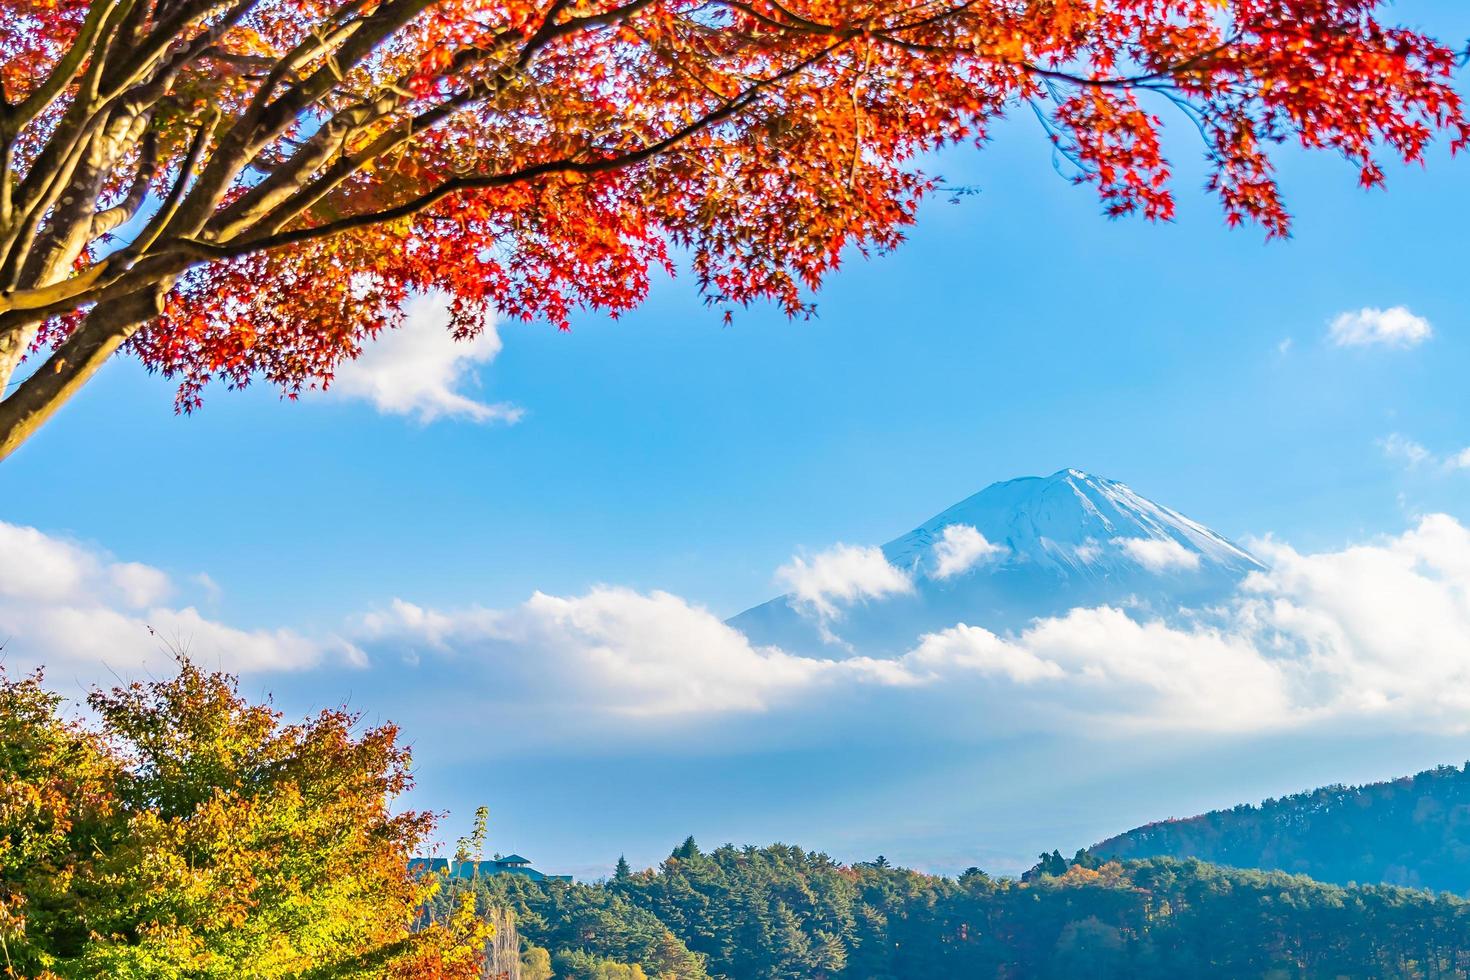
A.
pixel 1052 864
pixel 793 946
pixel 622 872
pixel 830 956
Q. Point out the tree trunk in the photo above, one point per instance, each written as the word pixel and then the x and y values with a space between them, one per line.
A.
pixel 13 345
pixel 72 365
pixel 503 952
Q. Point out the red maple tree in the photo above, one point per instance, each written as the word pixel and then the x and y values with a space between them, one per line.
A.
pixel 239 189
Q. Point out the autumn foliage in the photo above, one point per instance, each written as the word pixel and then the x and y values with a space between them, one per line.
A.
pixel 241 189
pixel 190 833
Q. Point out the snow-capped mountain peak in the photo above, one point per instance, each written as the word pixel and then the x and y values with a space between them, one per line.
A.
pixel 1015 551
pixel 1073 522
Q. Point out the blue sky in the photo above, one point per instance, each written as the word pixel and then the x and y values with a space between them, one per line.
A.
pixel 1017 332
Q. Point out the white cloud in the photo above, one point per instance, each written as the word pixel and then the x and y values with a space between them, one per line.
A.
pixel 1396 446
pixel 39 567
pixel 1159 554
pixel 1396 327
pixel 1380 629
pixel 841 575
pixel 1373 634
pixel 1088 551
pixel 960 548
pixel 66 604
pixel 1378 632
pixel 616 653
pixel 419 369
pixel 1132 674
pixel 140 585
pixel 1414 455
pixel 212 591
pixel 611 651
pixel 973 648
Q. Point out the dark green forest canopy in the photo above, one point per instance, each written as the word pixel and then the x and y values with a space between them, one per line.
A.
pixel 1413 831
pixel 783 912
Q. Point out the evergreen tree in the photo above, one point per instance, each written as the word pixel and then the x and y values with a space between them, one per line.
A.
pixel 1086 859
pixel 793 946
pixel 687 850
pixel 1052 864
pixel 622 872
pixel 830 957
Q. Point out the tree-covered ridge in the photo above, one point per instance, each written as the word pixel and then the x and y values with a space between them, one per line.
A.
pixel 1413 831
pixel 782 912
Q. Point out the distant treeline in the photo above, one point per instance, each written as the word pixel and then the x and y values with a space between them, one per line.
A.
pixel 782 912
pixel 1413 831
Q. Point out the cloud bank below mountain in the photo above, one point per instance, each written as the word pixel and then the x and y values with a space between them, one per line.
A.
pixel 1373 635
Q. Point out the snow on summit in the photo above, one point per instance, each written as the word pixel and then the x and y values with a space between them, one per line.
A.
pixel 1073 523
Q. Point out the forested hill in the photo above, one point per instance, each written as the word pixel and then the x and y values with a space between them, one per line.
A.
pixel 781 913
pixel 1413 831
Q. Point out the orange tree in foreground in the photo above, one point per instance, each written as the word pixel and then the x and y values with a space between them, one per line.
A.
pixel 236 189
pixel 191 834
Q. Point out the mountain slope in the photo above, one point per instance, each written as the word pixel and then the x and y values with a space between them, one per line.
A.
pixel 1036 546
pixel 1413 831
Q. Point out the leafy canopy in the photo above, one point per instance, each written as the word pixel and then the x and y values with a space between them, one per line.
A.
pixel 243 189
pixel 192 834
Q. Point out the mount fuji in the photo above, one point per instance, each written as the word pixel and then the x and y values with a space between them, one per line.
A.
pixel 1016 551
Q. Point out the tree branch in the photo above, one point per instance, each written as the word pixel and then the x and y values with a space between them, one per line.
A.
pixel 72 364
pixel 234 249
pixel 61 75
pixel 124 211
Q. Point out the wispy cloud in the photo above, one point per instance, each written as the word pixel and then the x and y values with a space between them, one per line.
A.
pixel 960 548
pixel 1370 327
pixel 420 370
pixel 1415 455
pixel 840 576
pixel 1159 554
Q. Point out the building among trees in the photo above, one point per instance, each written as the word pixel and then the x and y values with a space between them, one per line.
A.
pixel 510 864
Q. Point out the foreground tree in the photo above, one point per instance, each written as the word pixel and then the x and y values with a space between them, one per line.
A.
pixel 191 834
pixel 249 188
